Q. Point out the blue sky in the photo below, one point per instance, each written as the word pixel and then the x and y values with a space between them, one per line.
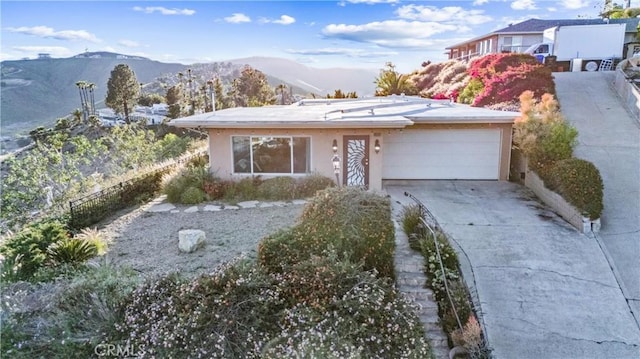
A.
pixel 337 33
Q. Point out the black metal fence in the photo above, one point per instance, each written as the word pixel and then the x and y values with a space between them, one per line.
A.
pixel 91 209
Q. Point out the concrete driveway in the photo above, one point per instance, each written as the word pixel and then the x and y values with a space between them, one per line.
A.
pixel 544 290
pixel 609 136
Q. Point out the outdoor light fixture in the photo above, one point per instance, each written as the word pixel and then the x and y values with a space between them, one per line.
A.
pixel 335 146
pixel 336 167
pixel 376 147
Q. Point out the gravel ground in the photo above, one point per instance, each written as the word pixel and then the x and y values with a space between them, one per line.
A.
pixel 148 241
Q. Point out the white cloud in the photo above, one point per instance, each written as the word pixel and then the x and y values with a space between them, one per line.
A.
pixel 447 14
pixel 237 18
pixel 48 32
pixel 574 4
pixel 128 43
pixel 164 10
pixel 391 33
pixel 285 20
pixel 480 2
pixel 552 9
pixel 524 5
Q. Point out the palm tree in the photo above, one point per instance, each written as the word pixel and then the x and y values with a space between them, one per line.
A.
pixel 391 82
pixel 281 87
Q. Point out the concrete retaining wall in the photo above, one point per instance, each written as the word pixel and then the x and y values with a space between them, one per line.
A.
pixel 628 93
pixel 557 203
pixel 520 169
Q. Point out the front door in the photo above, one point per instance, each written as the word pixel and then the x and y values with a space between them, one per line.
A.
pixel 356 161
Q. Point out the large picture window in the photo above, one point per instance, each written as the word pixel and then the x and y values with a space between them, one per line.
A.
pixel 271 154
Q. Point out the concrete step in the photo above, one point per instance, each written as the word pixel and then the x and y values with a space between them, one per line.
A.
pixel 430 318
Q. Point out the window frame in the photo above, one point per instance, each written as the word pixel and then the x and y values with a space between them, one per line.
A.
pixel 291 146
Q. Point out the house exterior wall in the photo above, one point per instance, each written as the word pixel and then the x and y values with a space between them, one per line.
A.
pixel 221 153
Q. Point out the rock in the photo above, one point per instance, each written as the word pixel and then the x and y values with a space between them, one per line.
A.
pixel 190 240
pixel 248 204
pixel 211 208
pixel 191 209
pixel 161 207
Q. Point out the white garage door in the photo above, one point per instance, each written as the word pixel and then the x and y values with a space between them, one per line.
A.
pixel 442 154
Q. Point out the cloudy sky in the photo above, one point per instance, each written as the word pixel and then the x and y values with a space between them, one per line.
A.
pixel 329 33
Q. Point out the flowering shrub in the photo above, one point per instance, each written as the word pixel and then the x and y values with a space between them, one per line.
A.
pixel 243 311
pixel 441 80
pixel 541 132
pixel 458 310
pixel 499 78
pixel 356 223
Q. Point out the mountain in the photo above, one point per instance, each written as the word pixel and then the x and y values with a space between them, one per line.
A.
pixel 314 80
pixel 37 92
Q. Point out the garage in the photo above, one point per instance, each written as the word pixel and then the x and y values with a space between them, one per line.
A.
pixel 466 153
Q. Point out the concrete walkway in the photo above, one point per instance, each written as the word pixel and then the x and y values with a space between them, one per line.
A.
pixel 609 137
pixel 544 290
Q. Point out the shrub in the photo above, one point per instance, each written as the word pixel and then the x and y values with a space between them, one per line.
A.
pixel 541 132
pixel 25 252
pixel 309 185
pixel 94 237
pixel 242 311
pixel 441 80
pixel 189 177
pixel 215 188
pixel 278 188
pixel 245 189
pixel 470 338
pixel 172 146
pixel 80 314
pixel 469 93
pixel 355 223
pixel 580 183
pixel 503 77
pixel 71 251
pixel 192 195
pixel 411 218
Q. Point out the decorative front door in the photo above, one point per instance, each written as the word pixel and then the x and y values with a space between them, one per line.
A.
pixel 356 161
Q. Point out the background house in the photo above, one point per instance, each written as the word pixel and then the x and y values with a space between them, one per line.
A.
pixel 518 37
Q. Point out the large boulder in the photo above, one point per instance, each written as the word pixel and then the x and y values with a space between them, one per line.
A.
pixel 190 240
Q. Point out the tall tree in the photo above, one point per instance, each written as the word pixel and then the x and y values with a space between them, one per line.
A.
pixel 123 90
pixel 391 82
pixel 252 89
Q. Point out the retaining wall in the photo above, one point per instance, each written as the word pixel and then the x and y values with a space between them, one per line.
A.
pixel 629 93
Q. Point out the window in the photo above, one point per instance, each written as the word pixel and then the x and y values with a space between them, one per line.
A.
pixel 277 154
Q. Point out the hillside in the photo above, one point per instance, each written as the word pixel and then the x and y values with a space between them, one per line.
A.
pixel 36 92
pixel 314 80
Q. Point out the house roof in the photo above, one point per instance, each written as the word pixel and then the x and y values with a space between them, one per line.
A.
pixel 535 26
pixel 374 112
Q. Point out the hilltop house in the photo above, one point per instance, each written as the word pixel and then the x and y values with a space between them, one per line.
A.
pixel 518 37
pixel 362 142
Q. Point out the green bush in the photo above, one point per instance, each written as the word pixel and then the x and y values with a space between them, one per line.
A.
pixel 25 252
pixel 243 190
pixel 172 146
pixel 355 223
pixel 82 312
pixel 411 218
pixel 71 251
pixel 469 93
pixel 309 185
pixel 278 188
pixel 579 182
pixel 189 177
pixel 192 195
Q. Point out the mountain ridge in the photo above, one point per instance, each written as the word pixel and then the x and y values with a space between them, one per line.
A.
pixel 35 92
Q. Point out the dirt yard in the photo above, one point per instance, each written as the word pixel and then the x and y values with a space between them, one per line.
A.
pixel 148 241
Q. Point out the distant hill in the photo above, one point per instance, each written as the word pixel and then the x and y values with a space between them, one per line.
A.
pixel 314 80
pixel 36 92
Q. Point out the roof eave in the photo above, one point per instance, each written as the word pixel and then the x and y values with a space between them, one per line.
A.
pixel 292 125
